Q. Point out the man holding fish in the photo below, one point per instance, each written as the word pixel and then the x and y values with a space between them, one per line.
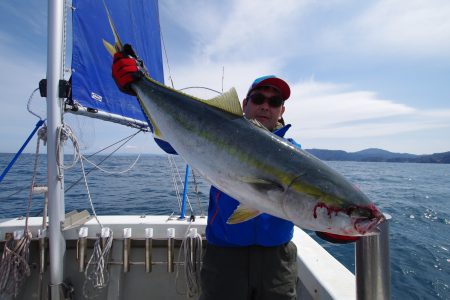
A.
pixel 249 254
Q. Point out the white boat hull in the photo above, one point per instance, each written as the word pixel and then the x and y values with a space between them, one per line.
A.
pixel 321 275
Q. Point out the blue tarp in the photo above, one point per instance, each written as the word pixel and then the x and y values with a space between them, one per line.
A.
pixel 137 23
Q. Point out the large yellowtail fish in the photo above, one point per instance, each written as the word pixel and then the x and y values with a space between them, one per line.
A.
pixel 243 159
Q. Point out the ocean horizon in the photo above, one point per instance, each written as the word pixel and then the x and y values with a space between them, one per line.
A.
pixel 416 195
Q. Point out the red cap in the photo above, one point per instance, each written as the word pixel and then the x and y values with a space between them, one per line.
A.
pixel 273 81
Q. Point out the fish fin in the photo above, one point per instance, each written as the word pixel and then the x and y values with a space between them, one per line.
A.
pixel 228 101
pixel 257 123
pixel 242 214
pixel 156 132
pixel 109 47
pixel 263 184
pixel 117 43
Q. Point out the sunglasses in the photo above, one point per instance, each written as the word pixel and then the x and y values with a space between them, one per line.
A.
pixel 274 101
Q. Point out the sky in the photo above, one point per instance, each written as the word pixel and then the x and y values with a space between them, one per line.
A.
pixel 363 74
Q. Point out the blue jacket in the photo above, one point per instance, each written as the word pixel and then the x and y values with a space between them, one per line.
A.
pixel 264 230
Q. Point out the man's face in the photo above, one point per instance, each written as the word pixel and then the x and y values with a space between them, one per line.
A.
pixel 266 114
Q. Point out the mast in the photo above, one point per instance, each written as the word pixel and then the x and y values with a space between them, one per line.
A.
pixel 54 120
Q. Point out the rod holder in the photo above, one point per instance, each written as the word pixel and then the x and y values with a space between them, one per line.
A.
pixel 42 233
pixel 17 234
pixel 126 249
pixel 148 249
pixel 105 233
pixel 373 274
pixel 192 235
pixel 170 249
pixel 81 249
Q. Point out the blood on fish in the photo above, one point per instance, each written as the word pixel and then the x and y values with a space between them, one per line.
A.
pixel 375 213
pixel 329 209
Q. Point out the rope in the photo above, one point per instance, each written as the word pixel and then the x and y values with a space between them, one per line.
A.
pixel 96 275
pixel 14 266
pixel 64 41
pixel 165 54
pixel 223 76
pixel 33 179
pixel 109 172
pixel 89 194
pixel 65 133
pixel 174 171
pixel 38 124
pixel 126 140
pixel 15 193
pixel 181 181
pixel 191 248
pixel 201 87
pixel 192 263
pixel 202 214
pixel 174 180
pixel 29 105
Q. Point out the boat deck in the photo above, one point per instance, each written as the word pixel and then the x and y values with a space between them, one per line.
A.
pixel 321 276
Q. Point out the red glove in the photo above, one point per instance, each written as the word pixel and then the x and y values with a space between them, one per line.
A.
pixel 126 69
pixel 336 238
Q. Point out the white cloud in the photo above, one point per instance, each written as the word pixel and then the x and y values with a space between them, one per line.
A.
pixel 318 107
pixel 330 111
pixel 413 28
pixel 256 30
pixel 238 30
pixel 254 38
pixel 19 78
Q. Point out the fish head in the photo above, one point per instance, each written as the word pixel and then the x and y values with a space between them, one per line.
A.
pixel 333 208
pixel 353 220
pixel 365 219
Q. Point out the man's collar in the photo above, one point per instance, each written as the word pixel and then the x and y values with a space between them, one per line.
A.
pixel 281 130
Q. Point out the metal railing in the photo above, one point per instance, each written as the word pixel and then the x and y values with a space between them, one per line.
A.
pixel 372 259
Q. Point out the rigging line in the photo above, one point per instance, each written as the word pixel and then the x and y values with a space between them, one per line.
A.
pixel 14 265
pixel 96 275
pixel 196 193
pixel 192 258
pixel 33 178
pixel 127 139
pixel 64 133
pixel 16 156
pixel 177 189
pixel 191 247
pixel 187 197
pixel 201 87
pixel 165 53
pixel 183 241
pixel 15 193
pixel 174 180
pixel 109 172
pixel 64 42
pixel 29 103
pixel 223 76
pixel 89 194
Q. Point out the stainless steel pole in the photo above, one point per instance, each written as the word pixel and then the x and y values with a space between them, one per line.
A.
pixel 373 272
pixel 55 179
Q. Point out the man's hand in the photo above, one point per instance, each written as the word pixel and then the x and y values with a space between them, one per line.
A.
pixel 127 69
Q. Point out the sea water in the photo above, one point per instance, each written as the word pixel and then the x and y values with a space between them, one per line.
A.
pixel 417 196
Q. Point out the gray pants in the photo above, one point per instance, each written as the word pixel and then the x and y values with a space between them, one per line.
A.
pixel 253 272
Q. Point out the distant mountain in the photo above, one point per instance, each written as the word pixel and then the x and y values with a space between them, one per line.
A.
pixel 380 155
